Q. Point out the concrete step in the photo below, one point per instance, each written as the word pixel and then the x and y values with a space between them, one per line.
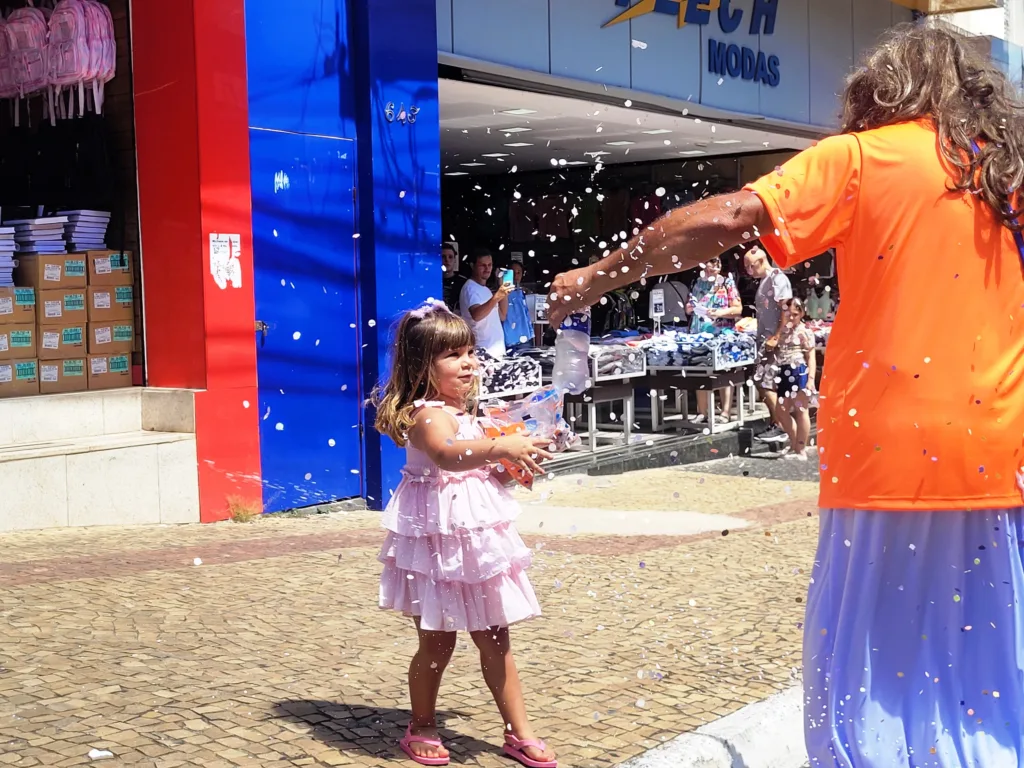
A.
pixel 48 418
pixel 133 477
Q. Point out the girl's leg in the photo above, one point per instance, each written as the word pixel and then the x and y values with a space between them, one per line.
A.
pixel 802 418
pixel 785 419
pixel 425 671
pixel 502 677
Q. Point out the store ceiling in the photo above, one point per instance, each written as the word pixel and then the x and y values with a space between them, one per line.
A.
pixel 486 129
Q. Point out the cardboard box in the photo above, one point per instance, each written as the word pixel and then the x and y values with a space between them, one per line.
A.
pixel 111 302
pixel 110 267
pixel 45 272
pixel 116 338
pixel 17 306
pixel 57 376
pixel 62 306
pixel 61 342
pixel 19 378
pixel 110 371
pixel 18 342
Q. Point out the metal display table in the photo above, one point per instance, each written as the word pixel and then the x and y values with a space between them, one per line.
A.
pixel 695 379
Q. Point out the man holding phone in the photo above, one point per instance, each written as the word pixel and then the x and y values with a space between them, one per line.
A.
pixel 517 324
pixel 482 309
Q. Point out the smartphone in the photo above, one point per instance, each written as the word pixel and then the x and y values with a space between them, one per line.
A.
pixel 508 277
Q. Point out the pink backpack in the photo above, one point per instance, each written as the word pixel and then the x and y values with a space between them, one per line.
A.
pixel 26 34
pixel 8 88
pixel 102 49
pixel 68 55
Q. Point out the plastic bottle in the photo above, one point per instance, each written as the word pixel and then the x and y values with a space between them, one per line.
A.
pixel 572 361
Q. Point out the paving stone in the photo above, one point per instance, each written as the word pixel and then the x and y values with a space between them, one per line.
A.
pixel 273 652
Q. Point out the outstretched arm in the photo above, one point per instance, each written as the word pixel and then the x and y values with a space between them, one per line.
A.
pixel 679 240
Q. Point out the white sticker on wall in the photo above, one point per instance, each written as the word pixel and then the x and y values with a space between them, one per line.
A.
pixel 225 265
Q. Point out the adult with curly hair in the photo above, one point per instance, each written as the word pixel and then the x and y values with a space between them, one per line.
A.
pixel 914 636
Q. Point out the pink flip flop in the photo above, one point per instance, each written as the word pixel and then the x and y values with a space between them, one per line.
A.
pixel 410 739
pixel 514 748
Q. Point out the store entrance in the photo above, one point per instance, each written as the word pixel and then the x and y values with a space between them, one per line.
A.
pixel 303 222
pixel 550 182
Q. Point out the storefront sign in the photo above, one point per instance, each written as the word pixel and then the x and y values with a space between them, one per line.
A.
pixel 724 59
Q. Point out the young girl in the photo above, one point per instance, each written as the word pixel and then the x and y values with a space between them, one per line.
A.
pixel 453 560
pixel 795 356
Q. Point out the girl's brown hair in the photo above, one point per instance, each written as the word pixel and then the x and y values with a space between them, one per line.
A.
pixel 421 336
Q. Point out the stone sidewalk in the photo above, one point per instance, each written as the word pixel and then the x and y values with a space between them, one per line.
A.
pixel 260 644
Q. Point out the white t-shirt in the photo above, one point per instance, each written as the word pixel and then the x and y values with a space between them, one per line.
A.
pixel 489 333
pixel 774 288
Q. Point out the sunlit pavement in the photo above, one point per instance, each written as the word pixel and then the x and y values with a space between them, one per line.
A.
pixel 261 644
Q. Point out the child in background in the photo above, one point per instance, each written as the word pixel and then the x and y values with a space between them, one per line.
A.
pixel 795 356
pixel 453 560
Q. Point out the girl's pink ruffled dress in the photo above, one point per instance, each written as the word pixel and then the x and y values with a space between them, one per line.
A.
pixel 452 555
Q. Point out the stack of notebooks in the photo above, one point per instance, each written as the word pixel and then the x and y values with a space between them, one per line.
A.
pixel 86 230
pixel 44 235
pixel 7 248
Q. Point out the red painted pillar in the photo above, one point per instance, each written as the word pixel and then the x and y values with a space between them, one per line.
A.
pixel 191 123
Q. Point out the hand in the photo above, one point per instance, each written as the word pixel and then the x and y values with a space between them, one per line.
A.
pixel 714 314
pixel 505 289
pixel 771 342
pixel 525 451
pixel 569 291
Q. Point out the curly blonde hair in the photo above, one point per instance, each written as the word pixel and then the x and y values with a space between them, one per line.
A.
pixel 422 335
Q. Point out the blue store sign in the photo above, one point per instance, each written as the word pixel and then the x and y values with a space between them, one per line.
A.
pixel 724 59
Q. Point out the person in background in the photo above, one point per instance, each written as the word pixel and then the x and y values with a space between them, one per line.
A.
pixel 453 281
pixel 714 305
pixel 796 361
pixel 516 324
pixel 483 309
pixel 773 291
pixel 915 610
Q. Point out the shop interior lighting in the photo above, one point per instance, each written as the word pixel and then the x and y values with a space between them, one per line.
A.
pixel 657 131
pixel 519 144
pixel 456 173
pixel 726 141
pixel 471 165
pixel 496 154
pixel 693 152
pixel 519 111
pixel 620 143
pixel 514 130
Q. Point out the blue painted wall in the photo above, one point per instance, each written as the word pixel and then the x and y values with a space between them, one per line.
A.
pixel 346 222
pixel 817 41
pixel 395 74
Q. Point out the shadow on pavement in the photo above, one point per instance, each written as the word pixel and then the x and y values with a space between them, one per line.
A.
pixel 355 728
